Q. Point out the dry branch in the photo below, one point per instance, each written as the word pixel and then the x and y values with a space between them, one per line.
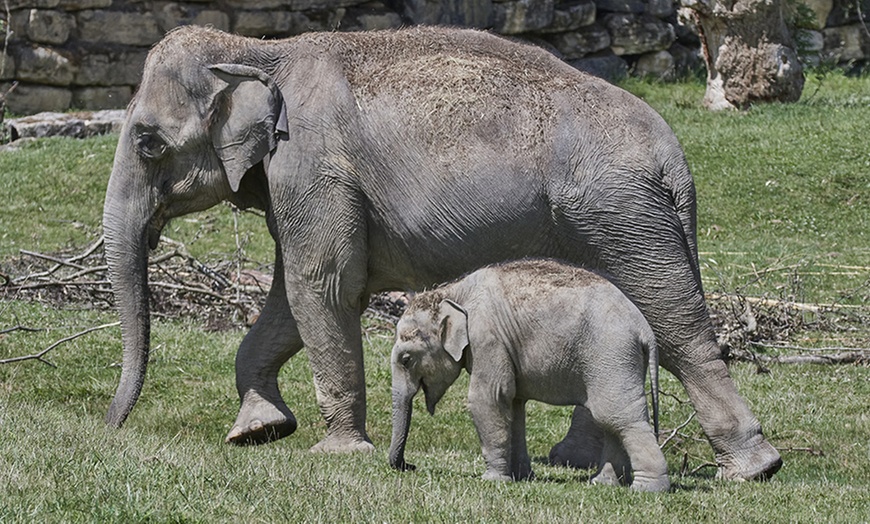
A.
pixel 40 356
pixel 846 357
pixel 676 431
pixel 20 328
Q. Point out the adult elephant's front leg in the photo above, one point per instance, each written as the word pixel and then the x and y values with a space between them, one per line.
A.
pixel 272 340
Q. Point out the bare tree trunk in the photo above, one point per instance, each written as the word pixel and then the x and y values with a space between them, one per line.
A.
pixel 749 52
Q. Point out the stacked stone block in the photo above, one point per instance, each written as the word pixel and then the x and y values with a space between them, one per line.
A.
pixel 88 54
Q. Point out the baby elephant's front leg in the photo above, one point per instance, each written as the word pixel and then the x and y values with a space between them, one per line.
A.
pixel 521 464
pixel 492 418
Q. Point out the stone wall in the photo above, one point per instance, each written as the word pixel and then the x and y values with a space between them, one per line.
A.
pixel 88 54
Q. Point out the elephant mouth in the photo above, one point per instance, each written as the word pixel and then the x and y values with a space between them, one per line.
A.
pixel 155 228
pixel 430 402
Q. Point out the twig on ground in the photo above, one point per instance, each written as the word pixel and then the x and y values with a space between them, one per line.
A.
pixel 20 328
pixel 850 357
pixel 811 350
pixel 842 355
pixel 58 261
pixel 671 395
pixel 40 356
pixel 812 451
pixel 676 431
pixel 703 466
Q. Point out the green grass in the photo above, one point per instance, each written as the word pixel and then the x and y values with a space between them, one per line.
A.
pixel 780 188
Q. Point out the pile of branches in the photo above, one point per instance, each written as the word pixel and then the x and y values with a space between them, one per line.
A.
pixel 758 330
pixel 227 294
pixel 223 294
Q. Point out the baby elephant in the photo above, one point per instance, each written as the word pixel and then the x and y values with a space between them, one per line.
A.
pixel 534 329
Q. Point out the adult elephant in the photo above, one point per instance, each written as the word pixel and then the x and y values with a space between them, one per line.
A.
pixel 397 160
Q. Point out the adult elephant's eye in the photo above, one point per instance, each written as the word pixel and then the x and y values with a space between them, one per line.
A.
pixel 150 145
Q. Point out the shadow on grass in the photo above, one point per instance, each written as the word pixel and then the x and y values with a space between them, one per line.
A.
pixel 693 482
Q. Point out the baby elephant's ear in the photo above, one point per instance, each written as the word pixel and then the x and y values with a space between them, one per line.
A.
pixel 453 328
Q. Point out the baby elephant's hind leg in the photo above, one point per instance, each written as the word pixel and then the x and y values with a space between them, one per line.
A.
pixel 649 468
pixel 614 466
pixel 631 452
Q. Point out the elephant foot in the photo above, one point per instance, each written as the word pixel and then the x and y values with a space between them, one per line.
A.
pixel 523 474
pixel 757 461
pixel 260 422
pixel 576 454
pixel 496 476
pixel 658 484
pixel 605 477
pixel 336 444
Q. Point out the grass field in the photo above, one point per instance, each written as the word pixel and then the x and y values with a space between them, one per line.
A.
pixel 784 215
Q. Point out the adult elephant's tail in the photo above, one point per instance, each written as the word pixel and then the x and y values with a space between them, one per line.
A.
pixel 680 185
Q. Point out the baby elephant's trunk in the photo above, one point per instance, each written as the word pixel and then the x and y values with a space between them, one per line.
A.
pixel 402 406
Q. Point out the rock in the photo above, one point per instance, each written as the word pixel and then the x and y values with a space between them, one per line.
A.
pixel 605 65
pixel 820 9
pixel 844 12
pixel 76 125
pixel 810 45
pixel 174 14
pixel 49 27
pixel 659 8
pixel 8 69
pixel 78 5
pixel 522 16
pixel 38 4
pixel 44 65
pixel 571 16
pixel 621 6
pixel 582 42
pixel 368 19
pixel 687 60
pixel 28 99
pixel 845 43
pixel 293 5
pixel 111 67
pixel 259 24
pixel 468 13
pixel 686 29
pixel 118 27
pixel 91 98
pixel 213 18
pixel 633 34
pixel 658 64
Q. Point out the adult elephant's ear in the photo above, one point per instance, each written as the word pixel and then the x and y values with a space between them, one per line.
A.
pixel 248 120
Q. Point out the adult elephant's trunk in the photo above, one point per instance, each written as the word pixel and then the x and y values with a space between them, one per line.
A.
pixel 403 397
pixel 126 222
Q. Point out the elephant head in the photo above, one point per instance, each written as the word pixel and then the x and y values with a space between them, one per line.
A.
pixel 195 127
pixel 429 353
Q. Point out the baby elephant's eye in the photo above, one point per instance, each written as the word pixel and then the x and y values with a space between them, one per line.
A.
pixel 150 145
pixel 405 359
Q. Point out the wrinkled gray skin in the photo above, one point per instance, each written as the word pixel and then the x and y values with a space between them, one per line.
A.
pixel 533 330
pixel 399 160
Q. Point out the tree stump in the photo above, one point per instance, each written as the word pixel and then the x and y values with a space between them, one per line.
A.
pixel 749 51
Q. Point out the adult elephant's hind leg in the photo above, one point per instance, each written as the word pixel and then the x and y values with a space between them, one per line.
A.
pixel 673 304
pixel 334 347
pixel 274 338
pixel 648 255
pixel 582 445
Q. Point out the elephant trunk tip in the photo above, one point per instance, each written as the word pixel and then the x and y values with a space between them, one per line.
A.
pixel 400 464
